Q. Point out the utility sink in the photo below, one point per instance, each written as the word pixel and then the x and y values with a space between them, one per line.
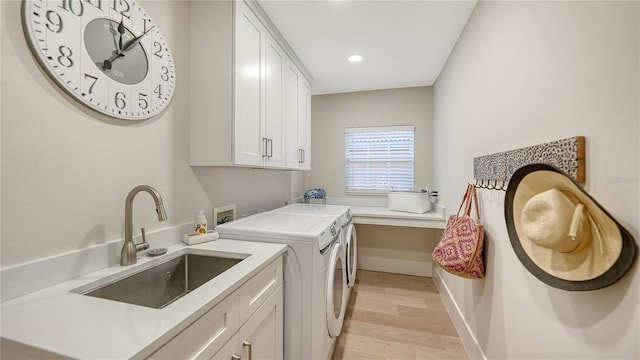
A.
pixel 164 283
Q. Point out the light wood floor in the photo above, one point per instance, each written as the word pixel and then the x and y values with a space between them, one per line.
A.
pixel 393 316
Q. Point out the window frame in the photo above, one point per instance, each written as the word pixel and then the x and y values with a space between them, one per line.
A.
pixel 350 189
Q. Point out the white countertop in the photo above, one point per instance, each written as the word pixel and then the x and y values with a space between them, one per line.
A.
pixel 375 211
pixel 378 215
pixel 78 326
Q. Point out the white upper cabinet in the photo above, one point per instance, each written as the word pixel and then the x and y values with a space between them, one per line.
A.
pixel 239 90
pixel 276 62
pixel 250 38
pixel 259 93
pixel 304 123
pixel 298 119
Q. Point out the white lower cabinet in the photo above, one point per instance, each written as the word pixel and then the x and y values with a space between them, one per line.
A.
pixel 229 350
pixel 205 335
pixel 247 324
pixel 260 337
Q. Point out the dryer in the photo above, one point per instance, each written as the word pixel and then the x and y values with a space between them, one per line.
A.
pixel 349 236
pixel 315 284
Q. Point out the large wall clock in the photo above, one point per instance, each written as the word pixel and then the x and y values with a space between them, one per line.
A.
pixel 107 54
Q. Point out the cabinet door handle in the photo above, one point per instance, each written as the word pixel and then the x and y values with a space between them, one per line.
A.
pixel 264 147
pixel 247 344
pixel 270 142
pixel 304 156
pixel 300 156
pixel 235 357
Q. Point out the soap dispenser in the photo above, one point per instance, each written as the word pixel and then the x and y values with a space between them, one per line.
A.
pixel 201 223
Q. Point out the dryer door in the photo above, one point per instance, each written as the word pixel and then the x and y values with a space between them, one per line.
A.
pixel 351 245
pixel 336 290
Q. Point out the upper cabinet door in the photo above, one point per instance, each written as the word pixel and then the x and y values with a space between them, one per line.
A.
pixel 274 130
pixel 304 122
pixel 298 119
pixel 250 42
pixel 293 154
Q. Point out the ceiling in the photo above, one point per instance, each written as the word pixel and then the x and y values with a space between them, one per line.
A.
pixel 403 43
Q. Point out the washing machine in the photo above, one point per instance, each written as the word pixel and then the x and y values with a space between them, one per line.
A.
pixel 315 282
pixel 349 237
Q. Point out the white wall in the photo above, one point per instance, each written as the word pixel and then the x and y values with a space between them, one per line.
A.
pixel 330 114
pixel 252 190
pixel 66 170
pixel 1 87
pixel 524 73
pixel 381 248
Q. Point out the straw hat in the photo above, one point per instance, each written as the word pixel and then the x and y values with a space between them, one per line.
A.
pixel 561 234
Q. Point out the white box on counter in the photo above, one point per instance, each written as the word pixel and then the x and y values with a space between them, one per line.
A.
pixel 409 201
pixel 196 238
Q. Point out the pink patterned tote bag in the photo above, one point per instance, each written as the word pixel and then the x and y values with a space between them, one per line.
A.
pixel 460 249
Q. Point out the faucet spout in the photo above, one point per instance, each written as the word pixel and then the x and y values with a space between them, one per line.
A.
pixel 162 215
pixel 129 249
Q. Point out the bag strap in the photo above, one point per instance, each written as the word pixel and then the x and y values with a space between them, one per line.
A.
pixel 467 208
pixel 473 196
pixel 465 201
pixel 470 198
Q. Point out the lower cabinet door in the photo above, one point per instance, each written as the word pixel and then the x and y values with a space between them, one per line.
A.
pixel 261 336
pixel 206 335
pixel 229 351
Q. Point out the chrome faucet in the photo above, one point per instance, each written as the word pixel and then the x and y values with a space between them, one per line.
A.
pixel 129 249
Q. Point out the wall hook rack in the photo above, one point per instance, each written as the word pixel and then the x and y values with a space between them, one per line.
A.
pixel 494 171
pixel 491 184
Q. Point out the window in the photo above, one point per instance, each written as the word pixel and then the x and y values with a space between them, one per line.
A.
pixel 378 159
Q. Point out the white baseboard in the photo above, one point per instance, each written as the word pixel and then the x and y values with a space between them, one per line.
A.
pixel 469 341
pixel 396 266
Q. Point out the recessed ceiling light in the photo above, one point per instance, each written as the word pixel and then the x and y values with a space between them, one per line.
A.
pixel 355 58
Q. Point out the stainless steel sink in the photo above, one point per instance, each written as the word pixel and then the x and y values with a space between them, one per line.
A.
pixel 162 284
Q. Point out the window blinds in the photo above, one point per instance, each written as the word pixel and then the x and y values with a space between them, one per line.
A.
pixel 379 159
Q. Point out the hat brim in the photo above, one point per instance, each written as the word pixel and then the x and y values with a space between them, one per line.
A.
pixel 618 267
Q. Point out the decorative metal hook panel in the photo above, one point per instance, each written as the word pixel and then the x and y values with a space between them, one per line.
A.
pixel 568 155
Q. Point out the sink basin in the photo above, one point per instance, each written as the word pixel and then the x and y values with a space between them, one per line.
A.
pixel 162 284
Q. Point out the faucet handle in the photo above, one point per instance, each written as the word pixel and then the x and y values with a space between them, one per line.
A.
pixel 144 235
pixel 144 245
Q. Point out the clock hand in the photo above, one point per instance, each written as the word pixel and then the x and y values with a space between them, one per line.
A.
pixel 131 43
pixel 121 30
pixel 107 64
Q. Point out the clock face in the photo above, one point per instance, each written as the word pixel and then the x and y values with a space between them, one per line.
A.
pixel 108 54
